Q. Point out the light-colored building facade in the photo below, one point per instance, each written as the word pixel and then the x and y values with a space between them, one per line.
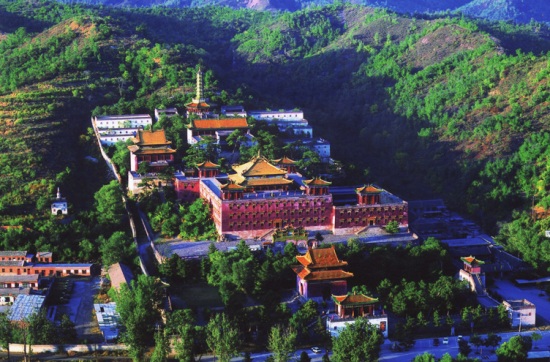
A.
pixel 522 313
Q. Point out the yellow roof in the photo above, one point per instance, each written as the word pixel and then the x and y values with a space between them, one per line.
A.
pixel 317 181
pixel 284 161
pixel 223 123
pixel 369 189
pixel 150 138
pixel 207 164
pixel 258 166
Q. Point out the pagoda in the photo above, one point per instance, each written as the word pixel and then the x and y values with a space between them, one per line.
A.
pixel 198 105
pixel 151 147
pixel 320 273
pixel 59 206
pixel 260 175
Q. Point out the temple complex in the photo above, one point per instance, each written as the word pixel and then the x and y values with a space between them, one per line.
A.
pixel 320 274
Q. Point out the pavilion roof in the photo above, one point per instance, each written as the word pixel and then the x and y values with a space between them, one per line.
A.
pixel 317 181
pixel 472 260
pixel 232 186
pixel 222 123
pixel 321 258
pixel 352 300
pixel 207 164
pixel 149 151
pixel 319 275
pixel 196 104
pixel 369 189
pixel 284 161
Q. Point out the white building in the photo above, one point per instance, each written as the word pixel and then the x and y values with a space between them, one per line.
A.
pixel 233 111
pixel 116 128
pixel 522 313
pixel 167 112
pixel 59 206
pixel 280 115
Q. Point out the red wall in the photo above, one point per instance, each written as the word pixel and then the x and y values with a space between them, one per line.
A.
pixel 361 215
pixel 257 214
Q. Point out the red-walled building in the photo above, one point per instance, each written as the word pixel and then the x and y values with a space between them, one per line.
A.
pixel 321 274
pixel 260 197
pixel 153 148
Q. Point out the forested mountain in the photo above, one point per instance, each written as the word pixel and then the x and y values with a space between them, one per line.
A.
pixel 425 107
pixel 521 11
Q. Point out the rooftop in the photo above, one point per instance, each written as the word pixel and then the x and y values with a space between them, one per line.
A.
pixel 120 274
pixel 123 117
pixel 222 123
pixel 321 258
pixel 25 306
pixel 33 278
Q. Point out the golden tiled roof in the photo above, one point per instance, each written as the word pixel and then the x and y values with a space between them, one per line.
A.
pixel 368 189
pixel 153 151
pixel 223 123
pixel 354 299
pixel 207 164
pixel 197 105
pixel 310 275
pixel 321 258
pixel 317 181
pixel 284 161
pixel 258 166
pixel 231 186
pixel 149 138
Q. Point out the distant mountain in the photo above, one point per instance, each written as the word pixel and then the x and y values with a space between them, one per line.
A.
pixel 521 11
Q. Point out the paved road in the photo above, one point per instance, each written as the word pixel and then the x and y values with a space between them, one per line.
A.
pixel 426 345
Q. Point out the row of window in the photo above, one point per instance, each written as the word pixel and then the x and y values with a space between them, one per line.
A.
pixel 277 214
pixel 284 204
pixel 246 225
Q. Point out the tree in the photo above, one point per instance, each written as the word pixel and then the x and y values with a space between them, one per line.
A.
pixel 205 150
pixel 6 333
pixel 138 305
pixel 109 204
pixel 536 337
pixel 425 357
pixel 392 227
pixel 357 342
pixel 222 337
pixel 185 343
pixel 196 222
pixel 304 357
pixel 515 349
pixel 464 348
pixel 162 347
pixel 477 341
pixel 281 343
pixel 492 340
pixel 117 248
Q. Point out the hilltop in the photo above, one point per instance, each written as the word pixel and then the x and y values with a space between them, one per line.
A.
pixel 426 107
pixel 519 11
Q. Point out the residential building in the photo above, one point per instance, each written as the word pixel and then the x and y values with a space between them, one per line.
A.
pixel 112 129
pixel 234 111
pixel 166 112
pixel 21 263
pixel 25 306
pixel 522 313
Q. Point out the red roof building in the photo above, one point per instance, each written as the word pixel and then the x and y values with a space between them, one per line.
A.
pixel 320 273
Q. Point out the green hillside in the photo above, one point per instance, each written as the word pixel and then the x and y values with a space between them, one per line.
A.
pixel 438 107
